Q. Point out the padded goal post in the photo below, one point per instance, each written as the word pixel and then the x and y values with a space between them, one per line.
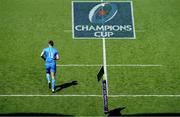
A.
pixel 100 76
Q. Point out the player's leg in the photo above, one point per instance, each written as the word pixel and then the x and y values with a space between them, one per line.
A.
pixel 53 73
pixel 48 77
pixel 53 81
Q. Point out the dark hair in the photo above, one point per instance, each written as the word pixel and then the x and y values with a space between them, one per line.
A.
pixel 51 43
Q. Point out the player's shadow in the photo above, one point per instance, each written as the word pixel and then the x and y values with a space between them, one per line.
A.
pixel 115 112
pixel 65 85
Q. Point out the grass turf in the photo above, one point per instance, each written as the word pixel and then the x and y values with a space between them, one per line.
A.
pixel 27 25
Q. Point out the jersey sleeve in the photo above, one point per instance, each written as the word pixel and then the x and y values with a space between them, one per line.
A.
pixel 42 53
pixel 56 54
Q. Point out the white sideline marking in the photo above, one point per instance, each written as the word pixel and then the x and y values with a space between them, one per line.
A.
pixel 112 65
pixel 114 96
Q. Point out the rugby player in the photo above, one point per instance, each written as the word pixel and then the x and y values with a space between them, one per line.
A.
pixel 50 55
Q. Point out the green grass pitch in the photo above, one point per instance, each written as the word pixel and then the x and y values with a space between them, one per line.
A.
pixel 27 25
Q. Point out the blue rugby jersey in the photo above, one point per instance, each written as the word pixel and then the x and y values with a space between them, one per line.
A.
pixel 50 54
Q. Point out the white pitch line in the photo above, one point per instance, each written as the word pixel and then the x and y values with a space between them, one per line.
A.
pixel 79 65
pixel 112 65
pixel 135 65
pixel 113 96
pixel 104 63
pixel 51 95
pixel 144 95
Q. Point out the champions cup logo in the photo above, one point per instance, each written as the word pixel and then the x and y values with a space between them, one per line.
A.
pixel 102 20
pixel 102 13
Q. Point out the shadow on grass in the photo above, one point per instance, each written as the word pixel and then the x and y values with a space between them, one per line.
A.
pixel 117 112
pixel 33 114
pixel 65 85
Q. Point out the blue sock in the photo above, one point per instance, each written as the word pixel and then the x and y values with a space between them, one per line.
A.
pixel 53 83
pixel 48 77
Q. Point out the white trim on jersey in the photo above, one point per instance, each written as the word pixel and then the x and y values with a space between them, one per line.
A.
pixel 42 53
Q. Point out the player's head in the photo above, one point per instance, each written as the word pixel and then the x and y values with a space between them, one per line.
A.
pixel 50 43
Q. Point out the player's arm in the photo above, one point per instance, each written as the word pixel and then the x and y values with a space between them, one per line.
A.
pixel 56 55
pixel 42 55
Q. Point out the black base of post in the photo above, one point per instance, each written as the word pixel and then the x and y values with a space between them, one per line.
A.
pixel 105 97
